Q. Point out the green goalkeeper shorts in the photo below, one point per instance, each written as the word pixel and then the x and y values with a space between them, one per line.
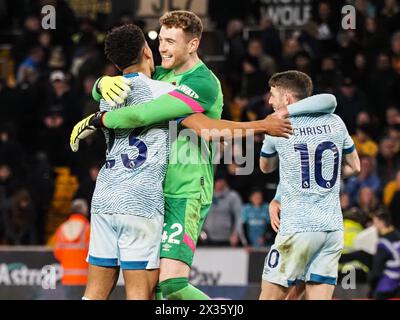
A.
pixel 183 222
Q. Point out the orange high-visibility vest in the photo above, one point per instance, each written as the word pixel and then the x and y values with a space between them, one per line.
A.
pixel 71 249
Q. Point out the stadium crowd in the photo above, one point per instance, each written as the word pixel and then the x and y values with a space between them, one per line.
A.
pixel 54 72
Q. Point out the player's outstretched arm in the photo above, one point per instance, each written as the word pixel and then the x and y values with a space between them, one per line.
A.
pixel 351 164
pixel 196 94
pixel 210 129
pixel 319 103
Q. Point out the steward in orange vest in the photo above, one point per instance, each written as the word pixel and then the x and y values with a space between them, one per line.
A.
pixel 71 244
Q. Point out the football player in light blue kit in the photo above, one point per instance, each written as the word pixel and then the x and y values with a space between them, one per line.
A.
pixel 128 203
pixel 310 238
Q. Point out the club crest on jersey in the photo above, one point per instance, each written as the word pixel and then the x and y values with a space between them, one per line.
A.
pixel 189 92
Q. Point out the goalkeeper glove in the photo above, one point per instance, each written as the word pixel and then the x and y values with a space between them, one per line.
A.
pixel 113 89
pixel 85 128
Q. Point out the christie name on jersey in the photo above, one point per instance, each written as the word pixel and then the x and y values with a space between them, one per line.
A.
pixel 308 131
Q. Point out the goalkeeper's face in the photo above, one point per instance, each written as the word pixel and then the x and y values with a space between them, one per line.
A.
pixel 175 47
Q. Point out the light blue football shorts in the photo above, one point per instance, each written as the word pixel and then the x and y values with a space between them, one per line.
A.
pixel 129 241
pixel 310 257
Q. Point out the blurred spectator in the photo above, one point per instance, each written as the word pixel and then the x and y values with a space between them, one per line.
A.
pixel 235 54
pixel 19 219
pixel 349 46
pixel 362 140
pixel 328 26
pixel 8 182
pixel 366 178
pixel 270 38
pixel 59 114
pixel 258 107
pixel 372 125
pixel 30 69
pixel 392 116
pixel 71 244
pixel 267 64
pixel 329 78
pixel 45 42
pixel 8 97
pixel 395 46
pixel 344 201
pixel 353 224
pixel 390 15
pixel 384 277
pixel 374 39
pixel 254 81
pixel 360 72
pixel 62 99
pixel 255 219
pixel 40 182
pixel 383 85
pixel 350 102
pixel 11 149
pixel 388 161
pixel 89 105
pixel 28 38
pixel 368 202
pixel 290 48
pixel 309 40
pixel 392 200
pixel 302 62
pixel 222 224
pixel 87 184
pixel 238 107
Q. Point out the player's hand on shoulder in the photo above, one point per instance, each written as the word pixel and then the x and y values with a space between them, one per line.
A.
pixel 114 89
pixel 274 214
pixel 278 127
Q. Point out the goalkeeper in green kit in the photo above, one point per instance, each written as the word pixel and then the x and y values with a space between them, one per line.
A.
pixel 197 104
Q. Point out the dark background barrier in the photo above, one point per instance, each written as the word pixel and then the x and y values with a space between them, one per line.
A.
pixel 32 273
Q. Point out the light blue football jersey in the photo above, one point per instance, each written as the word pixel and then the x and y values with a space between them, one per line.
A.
pixel 310 172
pixel 131 180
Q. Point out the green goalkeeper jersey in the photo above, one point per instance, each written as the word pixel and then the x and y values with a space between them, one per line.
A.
pixel 190 168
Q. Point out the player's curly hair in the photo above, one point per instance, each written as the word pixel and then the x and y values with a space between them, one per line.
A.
pixel 124 44
pixel 187 21
pixel 299 83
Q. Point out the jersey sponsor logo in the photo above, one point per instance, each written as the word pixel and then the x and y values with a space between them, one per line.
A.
pixel 188 91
